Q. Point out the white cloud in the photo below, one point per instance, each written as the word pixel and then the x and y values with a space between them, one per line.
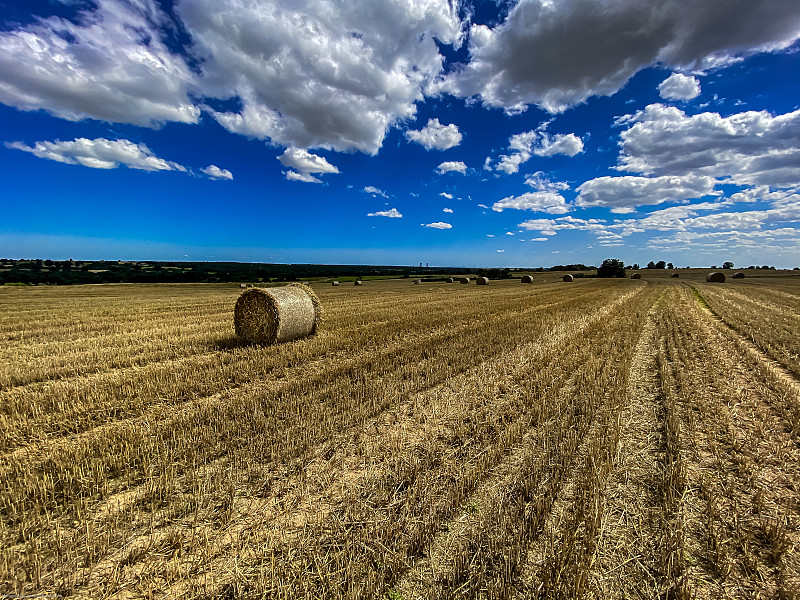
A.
pixel 214 172
pixel 446 195
pixel 371 189
pixel 541 183
pixel 509 233
pixel 435 136
pixel 315 73
pixel 489 235
pixel 749 148
pixel 452 165
pixel 558 54
pixel 679 87
pixel 304 164
pixel 111 64
pixel 100 154
pixel 447 210
pixel 392 213
pixel 548 202
pixel 438 225
pixel 501 250
pixel 630 191
pixel 537 143
pixel 539 239
pixel 483 206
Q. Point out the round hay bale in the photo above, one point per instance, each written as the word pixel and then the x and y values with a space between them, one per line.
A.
pixel 449 280
pixel 357 282
pixel 417 281
pixel 482 281
pixel 567 277
pixel 464 280
pixel 334 283
pixel 243 286
pixel 277 315
pixel 527 279
pixel 739 275
pixel 636 276
pixel 675 275
pixel 715 277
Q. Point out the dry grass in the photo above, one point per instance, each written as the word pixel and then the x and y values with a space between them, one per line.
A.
pixel 613 440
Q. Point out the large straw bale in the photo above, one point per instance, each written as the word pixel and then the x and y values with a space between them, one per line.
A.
pixel 715 277
pixel 334 283
pixel 527 279
pixel 357 282
pixel 675 275
pixel 482 281
pixel 243 286
pixel 567 277
pixel 636 276
pixel 739 275
pixel 417 281
pixel 449 280
pixel 275 315
pixel 464 280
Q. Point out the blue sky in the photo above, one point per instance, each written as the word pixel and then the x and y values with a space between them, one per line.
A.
pixel 456 133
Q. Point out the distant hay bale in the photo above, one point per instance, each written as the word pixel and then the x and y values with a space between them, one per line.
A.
pixel 449 280
pixel 527 279
pixel 567 277
pixel 357 282
pixel 675 275
pixel 417 281
pixel 739 275
pixel 243 285
pixel 464 280
pixel 715 277
pixel 277 315
pixel 482 281
pixel 334 283
pixel 636 276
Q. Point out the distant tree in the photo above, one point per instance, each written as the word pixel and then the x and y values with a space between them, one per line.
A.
pixel 670 266
pixel 727 265
pixel 661 265
pixel 651 265
pixel 635 266
pixel 765 267
pixel 611 267
pixel 713 266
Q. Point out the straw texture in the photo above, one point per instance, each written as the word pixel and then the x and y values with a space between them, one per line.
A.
pixel 277 315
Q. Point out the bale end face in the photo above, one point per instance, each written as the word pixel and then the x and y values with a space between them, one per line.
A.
pixel 715 277
pixel 277 315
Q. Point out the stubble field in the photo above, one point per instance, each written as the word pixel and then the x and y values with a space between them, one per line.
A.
pixel 593 439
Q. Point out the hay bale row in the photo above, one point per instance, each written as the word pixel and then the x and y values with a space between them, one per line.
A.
pixel 567 277
pixel 527 279
pixel 482 281
pixel 715 277
pixel 277 315
pixel 636 276
pixel 738 275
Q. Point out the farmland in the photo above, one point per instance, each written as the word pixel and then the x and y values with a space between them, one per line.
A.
pixel 596 439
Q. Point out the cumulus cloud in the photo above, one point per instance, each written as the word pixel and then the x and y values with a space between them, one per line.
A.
pixel 547 202
pixel 537 143
pixel 371 189
pixel 435 136
pixel 438 225
pixel 447 210
pixel 214 172
pixel 450 166
pixel 558 54
pixel 100 153
pixel 630 191
pixel 110 64
pixel 314 73
pixel 679 87
pixel 304 164
pixel 540 183
pixel 748 148
pixel 392 213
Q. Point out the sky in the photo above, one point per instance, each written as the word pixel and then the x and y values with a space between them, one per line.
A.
pixel 450 132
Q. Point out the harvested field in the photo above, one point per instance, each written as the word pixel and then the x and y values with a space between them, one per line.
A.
pixel 615 438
